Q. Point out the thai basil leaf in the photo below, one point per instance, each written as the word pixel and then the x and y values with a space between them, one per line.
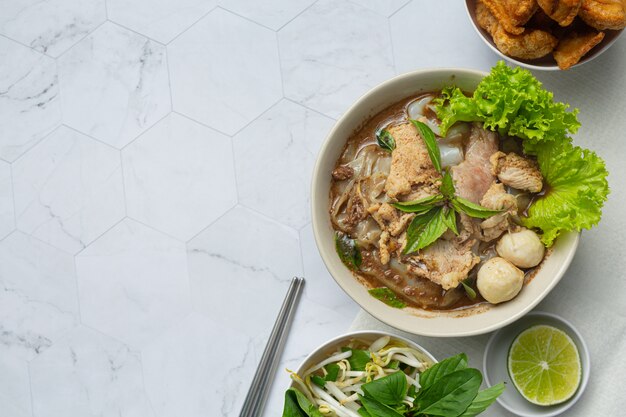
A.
pixel 376 408
pixel 447 185
pixel 449 218
pixel 469 290
pixel 387 296
pixel 359 358
pixel 431 143
pixel 298 405
pixel 483 400
pixel 441 369
pixel 291 408
pixel 333 372
pixel 389 390
pixel 363 412
pixel 421 205
pixel 385 140
pixel 452 394
pixel 471 209
pixel 348 251
pixel 425 229
pixel 318 380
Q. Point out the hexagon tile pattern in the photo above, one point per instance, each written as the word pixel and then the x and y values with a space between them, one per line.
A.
pixel 29 98
pixel 183 364
pixel 68 190
pixel 154 194
pixel 332 53
pixel 224 71
pixel 171 173
pixel 296 139
pixel 161 20
pixel 88 374
pixel 115 84
pixel 270 13
pixel 50 26
pixel 133 283
pixel 244 265
pixel 38 299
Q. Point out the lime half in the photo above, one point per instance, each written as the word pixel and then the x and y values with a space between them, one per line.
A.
pixel 544 365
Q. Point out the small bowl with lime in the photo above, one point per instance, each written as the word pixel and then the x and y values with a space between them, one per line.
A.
pixel 543 360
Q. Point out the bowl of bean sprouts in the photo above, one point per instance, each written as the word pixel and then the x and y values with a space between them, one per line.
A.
pixel 331 377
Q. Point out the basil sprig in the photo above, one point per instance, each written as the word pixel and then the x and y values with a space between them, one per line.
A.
pixel 436 214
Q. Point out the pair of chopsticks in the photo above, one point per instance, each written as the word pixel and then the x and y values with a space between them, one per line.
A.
pixel 261 383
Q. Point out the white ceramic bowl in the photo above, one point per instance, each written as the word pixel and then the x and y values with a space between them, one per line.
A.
pixel 368 336
pixel 495 366
pixel 546 63
pixel 476 320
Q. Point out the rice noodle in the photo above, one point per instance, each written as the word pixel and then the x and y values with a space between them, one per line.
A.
pixel 417 108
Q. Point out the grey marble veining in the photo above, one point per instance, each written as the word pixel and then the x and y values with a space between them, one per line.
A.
pixel 155 161
pixel 29 98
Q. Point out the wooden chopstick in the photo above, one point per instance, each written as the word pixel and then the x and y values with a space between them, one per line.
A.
pixel 261 383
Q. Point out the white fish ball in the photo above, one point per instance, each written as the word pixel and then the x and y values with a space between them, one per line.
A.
pixel 523 249
pixel 499 280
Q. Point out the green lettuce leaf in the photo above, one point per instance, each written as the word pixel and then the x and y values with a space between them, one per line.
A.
pixel 576 189
pixel 511 101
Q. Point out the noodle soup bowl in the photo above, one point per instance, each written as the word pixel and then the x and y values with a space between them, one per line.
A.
pixel 478 319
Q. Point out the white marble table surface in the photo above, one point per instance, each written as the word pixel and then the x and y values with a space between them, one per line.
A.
pixel 155 160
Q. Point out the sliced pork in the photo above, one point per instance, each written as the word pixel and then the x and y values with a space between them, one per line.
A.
pixel 517 172
pixel 474 175
pixel 411 167
pixel 445 262
pixel 496 198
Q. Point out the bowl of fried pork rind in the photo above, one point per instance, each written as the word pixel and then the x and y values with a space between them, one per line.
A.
pixel 548 34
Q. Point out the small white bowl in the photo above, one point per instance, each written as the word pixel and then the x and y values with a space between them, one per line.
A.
pixel 495 368
pixel 546 63
pixel 467 322
pixel 368 336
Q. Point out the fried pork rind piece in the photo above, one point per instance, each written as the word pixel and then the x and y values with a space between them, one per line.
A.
pixel 512 14
pixel 562 11
pixel 574 46
pixel 604 14
pixel 485 18
pixel 532 44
